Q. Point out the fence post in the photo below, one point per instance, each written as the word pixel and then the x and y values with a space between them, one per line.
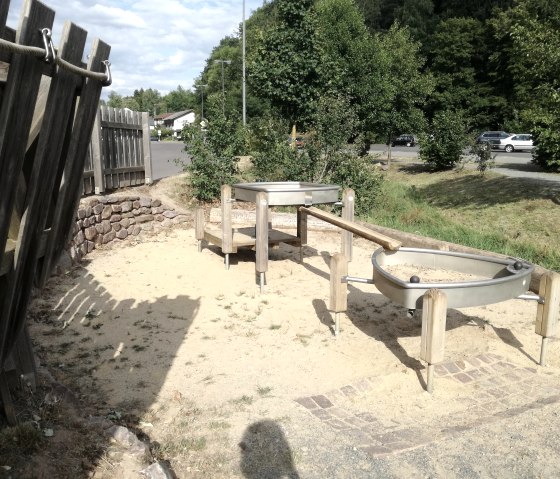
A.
pixel 98 178
pixel 546 324
pixel 147 149
pixel 432 343
pixel 348 197
pixel 338 287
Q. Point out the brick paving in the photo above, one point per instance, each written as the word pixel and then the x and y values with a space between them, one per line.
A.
pixel 493 388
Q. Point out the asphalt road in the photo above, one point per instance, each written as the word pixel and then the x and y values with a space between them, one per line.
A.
pixel 164 154
pixel 515 164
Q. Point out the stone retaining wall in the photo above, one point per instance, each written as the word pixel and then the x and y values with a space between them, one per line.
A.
pixel 103 219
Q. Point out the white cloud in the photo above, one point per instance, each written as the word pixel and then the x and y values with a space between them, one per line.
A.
pixel 156 45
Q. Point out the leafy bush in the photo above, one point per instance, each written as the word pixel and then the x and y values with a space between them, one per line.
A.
pixel 483 157
pixel 358 173
pixel 443 147
pixel 213 156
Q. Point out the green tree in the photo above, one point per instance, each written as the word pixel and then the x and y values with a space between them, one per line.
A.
pixel 458 56
pixel 402 87
pixel 214 155
pixel 533 40
pixel 180 99
pixel 283 67
pixel 115 100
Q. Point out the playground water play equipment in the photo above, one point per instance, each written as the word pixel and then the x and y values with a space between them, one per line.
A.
pixel 498 279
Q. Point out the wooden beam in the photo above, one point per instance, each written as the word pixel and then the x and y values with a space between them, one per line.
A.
pixel 385 241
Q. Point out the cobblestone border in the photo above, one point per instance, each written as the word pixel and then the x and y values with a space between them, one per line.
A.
pixel 494 389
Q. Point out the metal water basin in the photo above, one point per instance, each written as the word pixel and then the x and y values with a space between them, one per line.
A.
pixel 503 279
pixel 287 193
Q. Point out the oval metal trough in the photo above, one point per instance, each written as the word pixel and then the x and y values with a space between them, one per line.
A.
pixel 503 278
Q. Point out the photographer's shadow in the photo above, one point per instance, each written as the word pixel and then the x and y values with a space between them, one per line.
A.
pixel 265 452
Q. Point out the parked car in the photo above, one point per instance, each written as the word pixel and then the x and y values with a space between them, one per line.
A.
pixel 492 138
pixel 517 142
pixel 406 140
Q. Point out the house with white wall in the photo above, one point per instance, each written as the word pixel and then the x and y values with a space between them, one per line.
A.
pixel 175 121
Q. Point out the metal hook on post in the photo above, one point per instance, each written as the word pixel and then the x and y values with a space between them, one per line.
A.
pixel 50 53
pixel 109 79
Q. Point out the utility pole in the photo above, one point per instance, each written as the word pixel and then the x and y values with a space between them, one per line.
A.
pixel 243 72
pixel 202 102
pixel 223 90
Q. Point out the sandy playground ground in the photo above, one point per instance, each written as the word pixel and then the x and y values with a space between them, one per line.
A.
pixel 226 382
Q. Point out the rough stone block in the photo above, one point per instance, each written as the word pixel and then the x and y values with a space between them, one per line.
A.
pixel 156 203
pixel 180 219
pixel 145 201
pixel 81 213
pixel 115 218
pixel 97 209
pixel 126 206
pixel 79 238
pixel 90 245
pixel 110 236
pixel 170 214
pixel 116 208
pixel 122 233
pixel 125 222
pixel 106 226
pixel 144 218
pixel 117 226
pixel 90 233
pixel 106 213
pixel 157 210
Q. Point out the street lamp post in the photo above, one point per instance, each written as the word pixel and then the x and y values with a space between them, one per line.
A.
pixel 202 103
pixel 223 90
pixel 243 72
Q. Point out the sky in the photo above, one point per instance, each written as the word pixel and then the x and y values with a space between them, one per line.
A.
pixel 157 44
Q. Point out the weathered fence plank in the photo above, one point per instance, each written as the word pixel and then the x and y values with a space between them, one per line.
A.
pixel 44 138
pixel 70 192
pixel 120 151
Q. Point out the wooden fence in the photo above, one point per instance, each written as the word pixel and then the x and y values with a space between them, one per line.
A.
pixel 48 103
pixel 120 153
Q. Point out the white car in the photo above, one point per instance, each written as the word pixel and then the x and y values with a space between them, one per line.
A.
pixel 518 142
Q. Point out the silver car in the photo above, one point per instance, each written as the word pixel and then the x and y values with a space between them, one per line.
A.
pixel 518 142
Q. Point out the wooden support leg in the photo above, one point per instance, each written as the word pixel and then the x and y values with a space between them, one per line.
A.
pixel 227 230
pixel 546 324
pixel 432 345
pixel 338 286
pixel 301 231
pixel 261 246
pixel 199 227
pixel 348 215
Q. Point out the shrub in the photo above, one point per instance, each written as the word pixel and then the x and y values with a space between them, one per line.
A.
pixel 358 173
pixel 483 157
pixel 213 156
pixel 443 147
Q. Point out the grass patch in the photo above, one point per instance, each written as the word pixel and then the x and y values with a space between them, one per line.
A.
pixel 511 216
pixel 264 391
